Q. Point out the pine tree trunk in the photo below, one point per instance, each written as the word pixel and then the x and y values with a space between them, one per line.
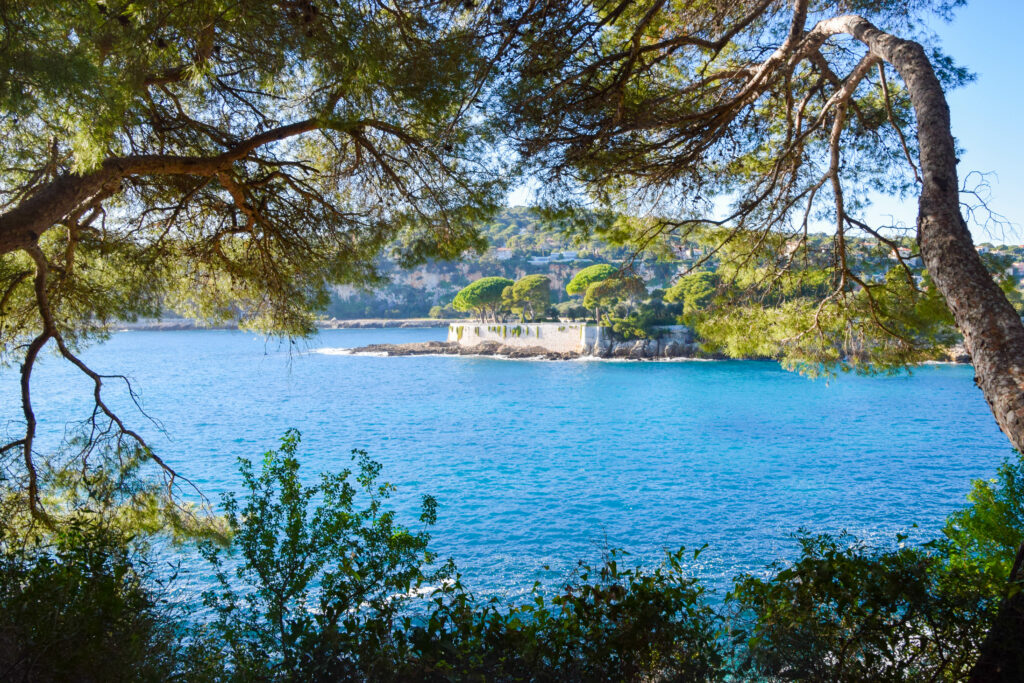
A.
pixel 993 333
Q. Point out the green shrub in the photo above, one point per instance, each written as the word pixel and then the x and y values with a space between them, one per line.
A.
pixel 327 586
pixel 846 612
pixel 321 582
pixel 637 325
pixel 81 603
pixel 323 573
pixel 606 624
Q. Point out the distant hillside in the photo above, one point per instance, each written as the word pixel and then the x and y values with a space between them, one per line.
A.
pixel 521 244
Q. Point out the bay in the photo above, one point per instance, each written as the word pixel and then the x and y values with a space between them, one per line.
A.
pixel 539 463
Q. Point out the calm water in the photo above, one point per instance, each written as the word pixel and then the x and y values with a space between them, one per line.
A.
pixel 540 463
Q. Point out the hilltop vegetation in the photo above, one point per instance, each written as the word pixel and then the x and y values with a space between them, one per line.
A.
pixel 521 242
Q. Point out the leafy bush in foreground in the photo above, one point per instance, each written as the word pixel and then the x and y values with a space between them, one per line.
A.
pixel 81 604
pixel 328 586
pixel 324 573
pixel 321 582
pixel 845 612
pixel 607 623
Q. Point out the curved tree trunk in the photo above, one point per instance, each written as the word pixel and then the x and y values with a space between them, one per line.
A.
pixel 992 330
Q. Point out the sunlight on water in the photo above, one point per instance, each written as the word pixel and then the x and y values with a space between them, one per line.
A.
pixel 538 463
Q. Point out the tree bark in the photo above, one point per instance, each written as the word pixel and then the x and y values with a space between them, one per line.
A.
pixel 993 333
pixel 22 225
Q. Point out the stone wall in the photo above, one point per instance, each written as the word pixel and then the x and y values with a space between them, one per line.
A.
pixel 555 337
pixel 672 341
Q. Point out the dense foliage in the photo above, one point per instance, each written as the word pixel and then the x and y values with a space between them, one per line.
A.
pixel 228 160
pixel 322 581
pixel 588 276
pixel 321 165
pixel 329 572
pixel 742 126
pixel 483 296
pixel 82 603
pixel 693 291
pixel 605 294
pixel 529 297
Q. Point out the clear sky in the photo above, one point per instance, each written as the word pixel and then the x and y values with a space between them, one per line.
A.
pixel 987 115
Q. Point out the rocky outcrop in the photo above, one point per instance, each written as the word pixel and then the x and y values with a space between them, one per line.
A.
pixel 455 349
pixel 680 344
pixel 636 349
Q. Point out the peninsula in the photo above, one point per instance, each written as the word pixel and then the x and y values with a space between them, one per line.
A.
pixel 551 340
pixel 567 341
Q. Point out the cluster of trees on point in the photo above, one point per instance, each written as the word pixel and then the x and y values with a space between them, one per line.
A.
pixel 529 298
pixel 491 298
pixel 603 294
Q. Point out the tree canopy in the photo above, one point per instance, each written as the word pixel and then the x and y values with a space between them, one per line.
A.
pixel 589 275
pixel 529 297
pixel 483 296
pixel 694 291
pixel 748 124
pixel 226 160
pixel 604 294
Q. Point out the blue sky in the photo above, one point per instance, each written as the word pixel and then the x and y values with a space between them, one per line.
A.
pixel 987 115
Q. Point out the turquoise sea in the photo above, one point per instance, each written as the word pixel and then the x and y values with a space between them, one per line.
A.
pixel 540 463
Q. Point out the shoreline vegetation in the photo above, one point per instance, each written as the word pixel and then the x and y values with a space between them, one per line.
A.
pixel 326 582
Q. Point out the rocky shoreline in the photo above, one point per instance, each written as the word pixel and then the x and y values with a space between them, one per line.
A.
pixel 434 348
pixel 640 349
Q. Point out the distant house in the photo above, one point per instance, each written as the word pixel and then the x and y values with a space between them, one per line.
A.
pixel 688 253
pixel 554 257
pixel 502 253
pixel 906 256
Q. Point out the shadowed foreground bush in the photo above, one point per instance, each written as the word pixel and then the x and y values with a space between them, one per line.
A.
pixel 321 582
pixel 81 605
